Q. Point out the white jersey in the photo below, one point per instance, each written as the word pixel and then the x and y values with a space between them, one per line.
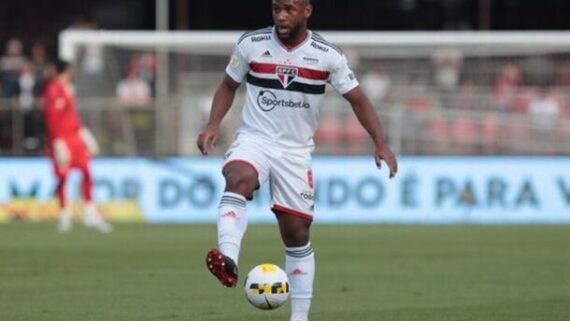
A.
pixel 285 88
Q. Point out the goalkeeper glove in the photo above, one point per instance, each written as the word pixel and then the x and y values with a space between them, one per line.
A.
pixel 61 153
pixel 89 141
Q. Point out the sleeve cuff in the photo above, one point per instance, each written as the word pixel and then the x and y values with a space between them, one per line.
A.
pixel 233 76
pixel 348 88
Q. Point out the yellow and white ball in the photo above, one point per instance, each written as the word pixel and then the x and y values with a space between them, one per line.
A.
pixel 267 287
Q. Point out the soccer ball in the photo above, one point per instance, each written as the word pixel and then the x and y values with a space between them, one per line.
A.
pixel 267 287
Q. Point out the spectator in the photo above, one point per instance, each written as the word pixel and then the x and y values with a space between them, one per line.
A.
pixel 507 87
pixel 39 63
pixel 418 117
pixel 447 64
pixel 11 65
pixel 133 91
pixel 92 63
pixel 147 68
pixel 538 70
pixel 31 115
pixel 468 97
pixel 376 84
pixel 464 133
pixel 26 86
pixel 544 111
pixel 562 74
pixel 419 100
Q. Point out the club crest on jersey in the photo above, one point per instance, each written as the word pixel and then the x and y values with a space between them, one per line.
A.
pixel 286 75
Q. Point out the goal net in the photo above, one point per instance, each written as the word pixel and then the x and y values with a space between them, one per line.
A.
pixel 149 93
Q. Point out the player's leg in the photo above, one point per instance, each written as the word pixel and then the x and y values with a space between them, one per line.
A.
pixel 92 218
pixel 241 180
pixel 65 219
pixel 299 262
pixel 60 158
pixel 86 183
pixel 244 163
pixel 293 197
pixel 61 177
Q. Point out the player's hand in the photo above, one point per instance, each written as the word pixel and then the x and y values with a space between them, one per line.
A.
pixel 383 153
pixel 207 139
pixel 89 141
pixel 61 153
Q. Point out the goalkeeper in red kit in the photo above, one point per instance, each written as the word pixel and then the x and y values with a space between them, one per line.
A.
pixel 70 146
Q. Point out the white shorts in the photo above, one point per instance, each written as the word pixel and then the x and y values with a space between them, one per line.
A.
pixel 288 171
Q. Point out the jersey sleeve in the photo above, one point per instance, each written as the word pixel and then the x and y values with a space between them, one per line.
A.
pixel 50 100
pixel 54 107
pixel 238 66
pixel 342 78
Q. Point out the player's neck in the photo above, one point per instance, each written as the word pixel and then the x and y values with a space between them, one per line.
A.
pixel 62 79
pixel 295 40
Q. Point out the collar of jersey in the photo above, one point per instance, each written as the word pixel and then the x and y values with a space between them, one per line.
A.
pixel 278 41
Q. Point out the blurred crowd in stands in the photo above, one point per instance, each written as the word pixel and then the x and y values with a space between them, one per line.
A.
pixel 25 71
pixel 458 105
pixel 22 79
pixel 446 104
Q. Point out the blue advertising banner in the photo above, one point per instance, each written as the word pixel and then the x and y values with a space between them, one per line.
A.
pixel 427 190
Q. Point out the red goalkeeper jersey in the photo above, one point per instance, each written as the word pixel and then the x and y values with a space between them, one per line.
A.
pixel 60 112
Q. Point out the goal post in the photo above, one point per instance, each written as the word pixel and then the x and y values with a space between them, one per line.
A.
pixel 439 92
pixel 367 42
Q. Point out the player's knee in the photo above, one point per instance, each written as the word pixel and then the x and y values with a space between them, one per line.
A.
pixel 295 237
pixel 241 182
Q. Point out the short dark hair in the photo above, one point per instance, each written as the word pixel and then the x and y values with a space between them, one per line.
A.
pixel 307 2
pixel 61 65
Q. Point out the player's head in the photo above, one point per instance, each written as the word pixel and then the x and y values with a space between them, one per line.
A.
pixel 290 17
pixel 63 68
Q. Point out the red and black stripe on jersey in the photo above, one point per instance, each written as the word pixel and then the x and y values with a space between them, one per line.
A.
pixel 299 86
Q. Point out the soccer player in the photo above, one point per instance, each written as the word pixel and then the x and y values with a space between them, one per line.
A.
pixel 286 68
pixel 70 145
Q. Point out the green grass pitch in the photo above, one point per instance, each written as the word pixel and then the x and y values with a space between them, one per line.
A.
pixel 373 273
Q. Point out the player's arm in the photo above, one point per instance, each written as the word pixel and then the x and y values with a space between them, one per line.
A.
pixel 89 141
pixel 52 105
pixel 367 116
pixel 223 100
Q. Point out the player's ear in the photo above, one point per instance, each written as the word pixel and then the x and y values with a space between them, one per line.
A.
pixel 308 11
